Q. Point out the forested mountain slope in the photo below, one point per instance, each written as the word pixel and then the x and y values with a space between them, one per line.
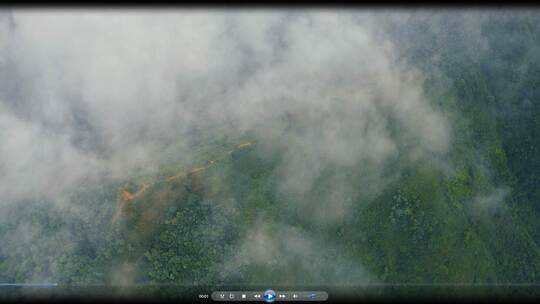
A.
pixel 467 216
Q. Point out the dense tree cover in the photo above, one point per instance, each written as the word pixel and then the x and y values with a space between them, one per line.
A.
pixel 476 224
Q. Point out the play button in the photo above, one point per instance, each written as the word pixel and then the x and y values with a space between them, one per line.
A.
pixel 269 296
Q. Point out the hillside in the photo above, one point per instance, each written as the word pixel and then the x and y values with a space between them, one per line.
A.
pixel 300 199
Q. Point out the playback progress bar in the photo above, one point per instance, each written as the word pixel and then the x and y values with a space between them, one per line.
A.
pixel 270 296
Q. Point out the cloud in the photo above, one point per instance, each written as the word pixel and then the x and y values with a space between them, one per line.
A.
pixel 294 257
pixel 96 95
pixel 36 163
pixel 491 203
pixel 132 83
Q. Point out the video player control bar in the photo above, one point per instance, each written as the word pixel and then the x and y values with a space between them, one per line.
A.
pixel 269 296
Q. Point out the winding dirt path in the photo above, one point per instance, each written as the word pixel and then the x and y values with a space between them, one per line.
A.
pixel 126 196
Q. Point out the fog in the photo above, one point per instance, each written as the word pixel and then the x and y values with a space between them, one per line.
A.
pixel 95 95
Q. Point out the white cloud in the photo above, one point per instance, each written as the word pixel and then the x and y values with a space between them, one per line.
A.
pixel 94 93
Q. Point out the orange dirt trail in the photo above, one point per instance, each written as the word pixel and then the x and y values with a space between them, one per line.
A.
pixel 126 196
